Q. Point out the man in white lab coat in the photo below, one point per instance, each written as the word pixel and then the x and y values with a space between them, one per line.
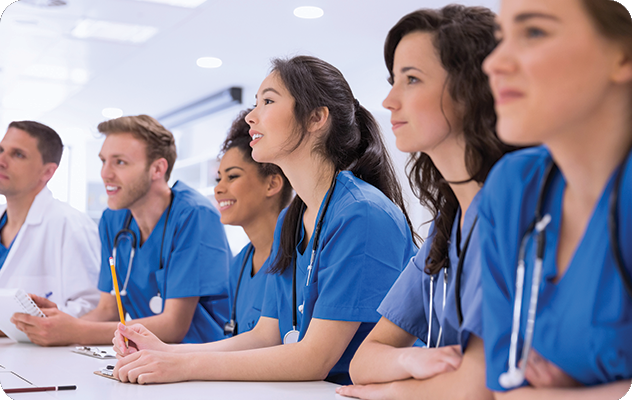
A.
pixel 47 247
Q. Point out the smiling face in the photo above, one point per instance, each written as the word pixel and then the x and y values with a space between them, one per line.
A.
pixel 551 71
pixel 22 170
pixel 272 121
pixel 125 171
pixel 240 189
pixel 419 101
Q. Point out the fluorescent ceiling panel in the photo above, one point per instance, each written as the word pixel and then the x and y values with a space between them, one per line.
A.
pixel 114 31
pixel 177 3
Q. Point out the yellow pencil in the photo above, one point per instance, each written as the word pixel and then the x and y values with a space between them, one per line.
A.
pixel 118 294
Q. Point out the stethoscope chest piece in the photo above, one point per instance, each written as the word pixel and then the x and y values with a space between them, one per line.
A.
pixel 155 304
pixel 291 337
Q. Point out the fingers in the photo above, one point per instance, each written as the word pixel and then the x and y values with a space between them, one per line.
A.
pixel 350 391
pixel 124 365
pixel 42 302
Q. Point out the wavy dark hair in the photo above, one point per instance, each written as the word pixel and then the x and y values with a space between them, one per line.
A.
pixel 353 141
pixel 612 19
pixel 239 137
pixel 463 37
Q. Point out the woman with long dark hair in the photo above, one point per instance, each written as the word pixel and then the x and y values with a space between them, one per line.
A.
pixel 442 113
pixel 557 291
pixel 338 249
pixel 251 195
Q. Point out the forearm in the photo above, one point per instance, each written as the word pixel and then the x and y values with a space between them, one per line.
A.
pixel 245 341
pixel 376 362
pixel 277 363
pixel 610 391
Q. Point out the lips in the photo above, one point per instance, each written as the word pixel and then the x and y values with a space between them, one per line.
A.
pixel 112 190
pixel 256 136
pixel 506 96
pixel 225 204
pixel 397 124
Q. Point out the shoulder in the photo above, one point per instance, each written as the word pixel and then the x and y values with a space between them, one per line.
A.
pixel 61 212
pixel 355 197
pixel 516 174
pixel 113 219
pixel 189 202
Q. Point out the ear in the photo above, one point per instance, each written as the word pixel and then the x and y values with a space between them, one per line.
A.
pixel 158 168
pixel 275 185
pixel 622 72
pixel 318 119
pixel 49 171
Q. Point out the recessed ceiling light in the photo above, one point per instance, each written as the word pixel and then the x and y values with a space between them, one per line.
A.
pixel 308 12
pixel 178 3
pixel 111 113
pixel 209 62
pixel 116 31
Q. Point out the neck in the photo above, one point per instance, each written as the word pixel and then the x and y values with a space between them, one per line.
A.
pixel 148 210
pixel 587 153
pixel 261 235
pixel 450 161
pixel 18 207
pixel 310 177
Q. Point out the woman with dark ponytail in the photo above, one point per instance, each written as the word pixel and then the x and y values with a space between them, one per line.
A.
pixel 442 112
pixel 337 250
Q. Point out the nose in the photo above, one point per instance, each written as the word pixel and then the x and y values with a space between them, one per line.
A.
pixel 391 102
pixel 106 171
pixel 500 61
pixel 219 188
pixel 3 159
pixel 250 117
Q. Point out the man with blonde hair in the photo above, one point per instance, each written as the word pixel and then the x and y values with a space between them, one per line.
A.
pixel 169 247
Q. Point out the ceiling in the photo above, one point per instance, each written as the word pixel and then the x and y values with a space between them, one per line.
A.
pixel 48 75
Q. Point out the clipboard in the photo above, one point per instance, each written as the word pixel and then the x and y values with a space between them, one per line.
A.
pixel 95 352
pixel 106 373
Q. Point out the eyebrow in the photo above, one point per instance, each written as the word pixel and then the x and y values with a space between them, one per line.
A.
pixel 229 169
pixel 406 69
pixel 530 15
pixel 264 91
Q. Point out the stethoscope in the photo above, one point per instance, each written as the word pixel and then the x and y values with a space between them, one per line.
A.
pixel 515 375
pixel 155 304
pixel 293 335
pixel 230 327
pixel 457 285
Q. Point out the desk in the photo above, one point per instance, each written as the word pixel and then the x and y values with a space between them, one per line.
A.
pixel 55 366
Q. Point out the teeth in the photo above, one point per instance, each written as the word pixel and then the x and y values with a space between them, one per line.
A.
pixel 257 136
pixel 226 203
pixel 110 188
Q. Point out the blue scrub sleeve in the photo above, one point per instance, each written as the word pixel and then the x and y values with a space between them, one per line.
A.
pixel 497 300
pixel 471 293
pixel 269 304
pixel 198 264
pixel 404 303
pixel 107 243
pixel 363 252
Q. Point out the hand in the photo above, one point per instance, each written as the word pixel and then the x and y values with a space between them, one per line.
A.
pixel 375 391
pixel 424 363
pixel 57 329
pixel 150 366
pixel 42 302
pixel 541 373
pixel 139 337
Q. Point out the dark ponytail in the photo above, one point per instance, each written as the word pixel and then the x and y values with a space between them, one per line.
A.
pixel 463 37
pixel 353 141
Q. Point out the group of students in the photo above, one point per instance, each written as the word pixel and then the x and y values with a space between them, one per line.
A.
pixel 519 131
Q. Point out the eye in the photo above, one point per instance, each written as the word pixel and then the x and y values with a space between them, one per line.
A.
pixel 218 179
pixel 412 79
pixel 120 162
pixel 390 80
pixel 267 101
pixel 19 154
pixel 534 33
pixel 232 177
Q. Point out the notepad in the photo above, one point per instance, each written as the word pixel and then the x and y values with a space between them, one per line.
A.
pixel 16 301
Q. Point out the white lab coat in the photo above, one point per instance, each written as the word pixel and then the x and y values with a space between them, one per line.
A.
pixel 57 252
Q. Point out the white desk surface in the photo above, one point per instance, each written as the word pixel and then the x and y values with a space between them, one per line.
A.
pixel 57 366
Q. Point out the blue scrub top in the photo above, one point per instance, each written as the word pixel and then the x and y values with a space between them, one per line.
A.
pixel 4 252
pixel 407 304
pixel 251 290
pixel 195 262
pixel 364 244
pixel 584 321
